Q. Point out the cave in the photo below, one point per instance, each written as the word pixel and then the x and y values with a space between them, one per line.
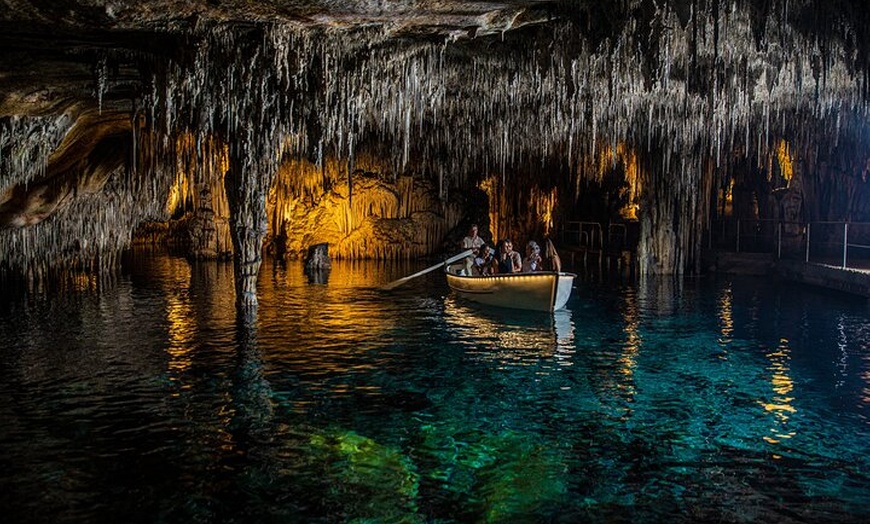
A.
pixel 230 132
pixel 229 129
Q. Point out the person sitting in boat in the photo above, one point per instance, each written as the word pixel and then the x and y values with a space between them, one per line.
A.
pixel 532 262
pixel 473 242
pixel 507 260
pixel 483 261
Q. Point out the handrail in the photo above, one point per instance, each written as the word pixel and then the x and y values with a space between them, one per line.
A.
pixel 585 231
pixel 841 243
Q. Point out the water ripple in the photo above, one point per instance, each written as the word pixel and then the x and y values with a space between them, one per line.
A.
pixel 698 401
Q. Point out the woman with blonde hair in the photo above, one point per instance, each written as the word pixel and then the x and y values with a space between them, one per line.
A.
pixel 532 261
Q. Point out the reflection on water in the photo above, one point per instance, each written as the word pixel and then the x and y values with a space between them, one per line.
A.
pixel 511 337
pixel 564 326
pixel 317 276
pixel 179 315
pixel 780 404
pixel 631 319
pixel 330 330
pixel 336 401
pixel 726 318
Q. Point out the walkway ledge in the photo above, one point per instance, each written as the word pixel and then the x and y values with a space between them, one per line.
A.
pixel 854 281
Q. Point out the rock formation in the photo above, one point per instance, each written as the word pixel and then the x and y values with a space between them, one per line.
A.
pixel 253 109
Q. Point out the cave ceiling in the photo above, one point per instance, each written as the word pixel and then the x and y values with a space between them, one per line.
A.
pixel 52 48
pixel 441 87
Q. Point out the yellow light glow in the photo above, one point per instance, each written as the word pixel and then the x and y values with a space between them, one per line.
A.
pixel 626 158
pixel 81 281
pixel 630 348
pixel 369 214
pixel 783 155
pixel 489 186
pixel 199 161
pixel 180 317
pixel 176 193
pixel 542 204
pixel 345 308
pixel 726 319
pixel 780 404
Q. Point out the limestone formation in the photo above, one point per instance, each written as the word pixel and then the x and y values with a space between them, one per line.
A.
pixel 318 257
pixel 106 106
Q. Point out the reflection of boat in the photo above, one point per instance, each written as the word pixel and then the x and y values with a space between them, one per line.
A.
pixel 515 336
pixel 564 327
pixel 542 291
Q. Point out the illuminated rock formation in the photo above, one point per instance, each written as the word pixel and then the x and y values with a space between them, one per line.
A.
pixel 104 107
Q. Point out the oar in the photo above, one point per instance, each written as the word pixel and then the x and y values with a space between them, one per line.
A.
pixel 402 280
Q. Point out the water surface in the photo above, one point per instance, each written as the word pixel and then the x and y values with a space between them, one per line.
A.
pixel 730 400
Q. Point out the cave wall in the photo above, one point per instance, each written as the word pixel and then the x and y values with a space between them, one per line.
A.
pixel 369 213
pixel 521 106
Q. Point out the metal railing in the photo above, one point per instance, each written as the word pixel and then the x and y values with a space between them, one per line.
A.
pixel 586 235
pixel 842 244
pixel 753 236
pixel 590 236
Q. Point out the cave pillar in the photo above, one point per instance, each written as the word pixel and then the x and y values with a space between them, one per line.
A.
pixel 673 215
pixel 658 246
pixel 202 232
pixel 657 249
pixel 793 213
pixel 247 188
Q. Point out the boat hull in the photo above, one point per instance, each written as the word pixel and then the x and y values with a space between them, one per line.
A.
pixel 541 291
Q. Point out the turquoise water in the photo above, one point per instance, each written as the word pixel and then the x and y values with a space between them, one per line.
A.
pixel 714 400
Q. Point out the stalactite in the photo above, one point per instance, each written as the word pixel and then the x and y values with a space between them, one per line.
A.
pixel 687 87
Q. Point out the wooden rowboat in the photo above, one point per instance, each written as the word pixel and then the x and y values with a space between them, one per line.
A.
pixel 540 291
